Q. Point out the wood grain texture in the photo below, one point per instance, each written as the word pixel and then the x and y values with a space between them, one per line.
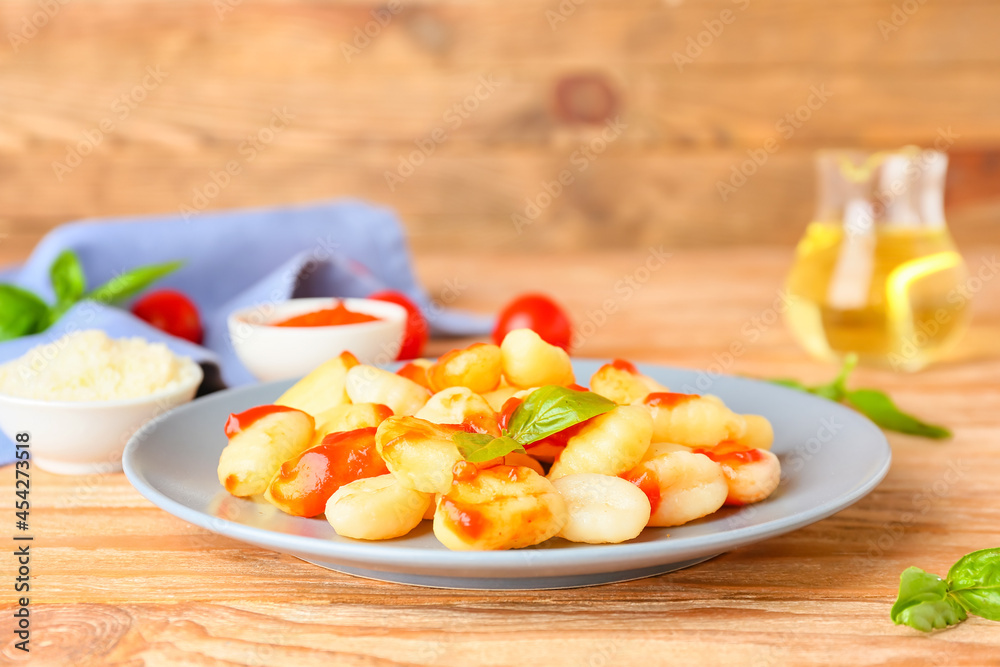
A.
pixel 622 200
pixel 354 116
pixel 120 582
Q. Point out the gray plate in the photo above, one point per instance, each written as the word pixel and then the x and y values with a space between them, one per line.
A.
pixel 830 457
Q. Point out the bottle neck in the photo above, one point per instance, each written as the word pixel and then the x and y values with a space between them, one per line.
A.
pixel 901 189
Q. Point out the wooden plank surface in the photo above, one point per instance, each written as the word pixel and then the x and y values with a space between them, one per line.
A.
pixel 509 106
pixel 117 581
pixel 354 117
pixel 622 199
pixel 762 32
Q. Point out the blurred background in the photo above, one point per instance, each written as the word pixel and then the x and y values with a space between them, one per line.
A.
pixel 595 124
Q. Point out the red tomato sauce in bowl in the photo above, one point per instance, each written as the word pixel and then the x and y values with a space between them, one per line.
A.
pixel 326 317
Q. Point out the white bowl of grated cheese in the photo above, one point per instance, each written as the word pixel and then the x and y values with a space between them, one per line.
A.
pixel 80 398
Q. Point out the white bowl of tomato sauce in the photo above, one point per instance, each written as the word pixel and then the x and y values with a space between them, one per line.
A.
pixel 290 339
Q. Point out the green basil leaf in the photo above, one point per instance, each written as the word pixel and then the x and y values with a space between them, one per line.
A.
pixel 935 615
pixel 874 404
pixel 132 282
pixel 839 385
pixel 481 447
pixel 68 281
pixel 22 313
pixel 551 409
pixel 791 384
pixel 468 442
pixel 923 602
pixel 878 407
pixel 837 390
pixel 975 582
pixel 828 391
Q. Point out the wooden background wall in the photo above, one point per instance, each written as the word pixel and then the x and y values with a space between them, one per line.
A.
pixel 897 72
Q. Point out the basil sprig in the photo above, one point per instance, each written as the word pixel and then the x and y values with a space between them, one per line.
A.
pixel 68 281
pixel 481 447
pixel 551 409
pixel 877 406
pixel 928 602
pixel 132 282
pixel 872 403
pixel 545 412
pixel 23 313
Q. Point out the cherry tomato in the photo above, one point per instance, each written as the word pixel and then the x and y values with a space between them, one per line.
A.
pixel 417 331
pixel 170 311
pixel 538 313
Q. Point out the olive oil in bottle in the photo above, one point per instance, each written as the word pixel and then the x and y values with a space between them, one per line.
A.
pixel 878 274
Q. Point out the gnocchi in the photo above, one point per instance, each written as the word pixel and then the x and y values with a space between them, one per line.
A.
pixel 477 368
pixel 259 442
pixel 349 417
pixel 420 454
pixel 621 382
pixel 376 508
pixel 759 434
pixel 504 507
pixel 523 460
pixel 304 483
pixel 367 384
pixel 416 371
pixel 751 474
pixel 693 420
pixel 456 442
pixel 460 405
pixel 602 509
pixel 323 389
pixel 499 396
pixel 681 486
pixel 610 444
pixel 528 361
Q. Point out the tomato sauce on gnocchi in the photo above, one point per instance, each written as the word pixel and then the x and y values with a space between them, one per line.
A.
pixel 464 520
pixel 667 399
pixel 730 452
pixel 649 485
pixel 243 420
pixel 623 365
pixel 303 485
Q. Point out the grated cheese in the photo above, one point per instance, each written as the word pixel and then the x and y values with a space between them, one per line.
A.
pixel 90 366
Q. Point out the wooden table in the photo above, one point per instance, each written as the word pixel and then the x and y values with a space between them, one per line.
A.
pixel 117 581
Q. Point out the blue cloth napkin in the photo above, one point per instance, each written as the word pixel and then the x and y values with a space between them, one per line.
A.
pixel 234 259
